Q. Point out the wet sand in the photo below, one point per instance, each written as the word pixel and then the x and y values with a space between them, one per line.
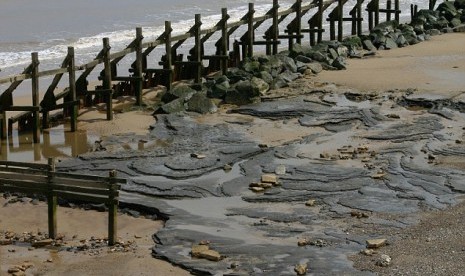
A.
pixel 434 66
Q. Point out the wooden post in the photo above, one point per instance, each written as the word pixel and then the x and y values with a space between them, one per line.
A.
pixel 51 202
pixel 168 65
pixel 332 29
pixel 224 39
pixel 107 77
pixel 376 12
pixel 359 17
pixel 340 13
pixel 250 31
pixel 275 26
pixel 3 128
pixel 198 50
pixel 320 21
pixel 388 10
pixel 397 8
pixel 72 88
pixel 138 67
pixel 35 97
pixel 112 210
pixel 432 4
pixel 298 16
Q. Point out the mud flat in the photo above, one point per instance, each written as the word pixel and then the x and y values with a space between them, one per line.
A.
pixel 354 161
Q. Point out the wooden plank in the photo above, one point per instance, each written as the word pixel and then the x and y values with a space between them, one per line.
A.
pixel 23 108
pixel 87 177
pixel 138 67
pixel 83 197
pixel 16 78
pixel 42 178
pixel 7 164
pixel 24 190
pixel 52 72
pixel 112 212
pixel 72 89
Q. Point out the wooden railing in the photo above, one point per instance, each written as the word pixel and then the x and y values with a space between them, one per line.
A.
pixel 42 179
pixel 173 67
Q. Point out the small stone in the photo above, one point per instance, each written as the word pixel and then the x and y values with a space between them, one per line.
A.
pixel 13 269
pixel 358 214
pixel 393 116
pixel 301 269
pixel 211 255
pixel 310 203
pixel 257 189
pixel 204 242
pixel 42 243
pixel 198 156
pixel 458 141
pixel 280 170
pixel 379 175
pixel 302 242
pixel 137 236
pixel 325 155
pixel 234 265
pixel 376 243
pixel 197 249
pixel 367 252
pixel 49 261
pixel 227 168
pixel 270 178
pixel 384 261
pixel 5 242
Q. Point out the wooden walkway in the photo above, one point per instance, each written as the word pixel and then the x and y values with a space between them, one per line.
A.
pixel 173 66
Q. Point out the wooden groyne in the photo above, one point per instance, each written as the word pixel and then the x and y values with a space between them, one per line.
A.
pixel 308 19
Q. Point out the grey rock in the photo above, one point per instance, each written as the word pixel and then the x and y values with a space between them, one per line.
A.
pixel 200 103
pixel 390 44
pixel 339 63
pixel 315 67
pixel 368 45
pixel 260 85
pixel 303 59
pixel 183 92
pixel 174 106
pixel 266 76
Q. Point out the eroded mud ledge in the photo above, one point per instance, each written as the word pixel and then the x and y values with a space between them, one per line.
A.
pixel 386 155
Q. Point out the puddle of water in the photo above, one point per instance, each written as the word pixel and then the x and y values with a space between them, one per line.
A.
pixel 55 142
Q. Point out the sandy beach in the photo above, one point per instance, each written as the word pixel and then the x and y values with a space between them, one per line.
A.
pixel 431 67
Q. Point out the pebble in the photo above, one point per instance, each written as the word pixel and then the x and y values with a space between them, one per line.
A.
pixel 384 261
pixel 301 269
pixel 280 170
pixel 367 252
pixel 310 202
pixel 376 243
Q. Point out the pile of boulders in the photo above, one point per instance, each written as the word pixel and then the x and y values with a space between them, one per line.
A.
pixel 256 76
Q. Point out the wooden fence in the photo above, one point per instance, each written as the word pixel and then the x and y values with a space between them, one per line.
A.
pixel 42 179
pixel 172 65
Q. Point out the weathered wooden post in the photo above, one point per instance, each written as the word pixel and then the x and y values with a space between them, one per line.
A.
pixel 340 13
pixel 3 128
pixel 250 32
pixel 168 65
pixel 138 67
pixel 320 21
pixel 388 10
pixel 275 29
pixel 432 4
pixel 112 209
pixel 376 12
pixel 397 8
pixel 224 39
pixel 298 16
pixel 35 97
pixel 107 78
pixel 72 88
pixel 198 50
pixel 51 201
pixel 359 17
